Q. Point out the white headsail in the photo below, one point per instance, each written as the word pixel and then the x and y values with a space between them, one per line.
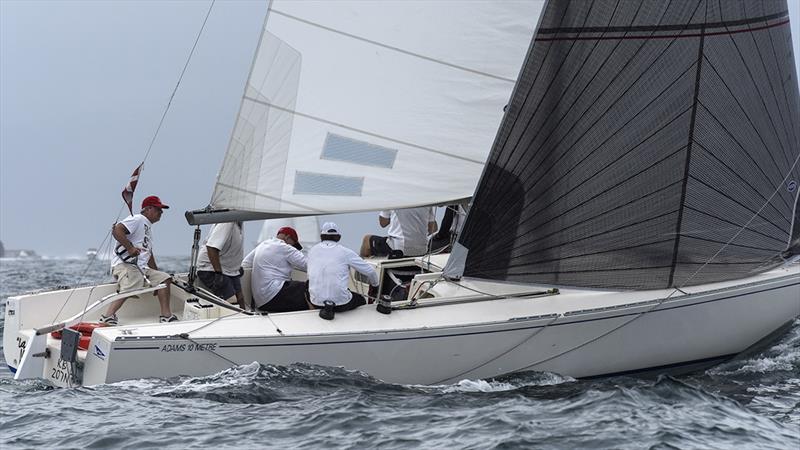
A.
pixel 358 106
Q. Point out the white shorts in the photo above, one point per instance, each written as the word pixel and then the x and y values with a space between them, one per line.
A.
pixel 129 277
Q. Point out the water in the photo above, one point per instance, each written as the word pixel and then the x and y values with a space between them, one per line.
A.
pixel 750 402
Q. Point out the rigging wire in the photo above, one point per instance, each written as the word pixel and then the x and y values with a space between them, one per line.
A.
pixel 679 288
pixel 147 154
pixel 81 277
pixel 180 78
pixel 743 227
pixel 637 316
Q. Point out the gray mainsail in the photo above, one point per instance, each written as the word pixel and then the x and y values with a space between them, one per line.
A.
pixel 642 138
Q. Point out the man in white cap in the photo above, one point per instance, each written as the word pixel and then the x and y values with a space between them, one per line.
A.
pixel 329 265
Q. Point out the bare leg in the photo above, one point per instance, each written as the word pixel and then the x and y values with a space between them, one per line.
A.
pixel 240 299
pixel 365 247
pixel 163 300
pixel 114 307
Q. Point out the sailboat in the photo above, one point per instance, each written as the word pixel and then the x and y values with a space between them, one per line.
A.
pixel 636 206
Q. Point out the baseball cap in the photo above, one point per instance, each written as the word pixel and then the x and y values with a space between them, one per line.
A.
pixel 330 228
pixel 289 231
pixel 153 201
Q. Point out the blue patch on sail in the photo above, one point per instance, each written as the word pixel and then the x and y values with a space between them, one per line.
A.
pixel 340 148
pixel 324 184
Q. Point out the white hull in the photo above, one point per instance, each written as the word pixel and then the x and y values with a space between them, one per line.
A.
pixel 579 333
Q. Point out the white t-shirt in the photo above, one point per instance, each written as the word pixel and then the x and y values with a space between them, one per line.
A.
pixel 272 262
pixel 139 234
pixel 408 229
pixel 227 238
pixel 329 266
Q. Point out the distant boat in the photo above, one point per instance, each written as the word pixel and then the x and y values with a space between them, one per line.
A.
pixel 91 253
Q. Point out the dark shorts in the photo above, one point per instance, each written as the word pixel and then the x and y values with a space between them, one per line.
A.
pixel 355 302
pixel 229 286
pixel 291 297
pixel 378 246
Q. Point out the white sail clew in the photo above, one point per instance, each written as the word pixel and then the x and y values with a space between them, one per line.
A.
pixel 358 106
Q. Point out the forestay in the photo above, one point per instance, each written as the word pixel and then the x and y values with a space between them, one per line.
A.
pixel 358 106
pixel 645 140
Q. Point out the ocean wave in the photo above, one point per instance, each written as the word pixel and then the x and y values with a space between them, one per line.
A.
pixel 752 401
pixel 782 356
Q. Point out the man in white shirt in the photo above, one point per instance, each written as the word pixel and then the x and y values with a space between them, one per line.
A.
pixel 220 261
pixel 134 259
pixel 329 265
pixel 408 233
pixel 272 262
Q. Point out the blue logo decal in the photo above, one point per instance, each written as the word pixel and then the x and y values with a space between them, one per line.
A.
pixel 99 353
pixel 791 186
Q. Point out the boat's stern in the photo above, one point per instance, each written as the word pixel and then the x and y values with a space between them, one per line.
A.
pixel 36 310
pixel 13 343
pixel 31 350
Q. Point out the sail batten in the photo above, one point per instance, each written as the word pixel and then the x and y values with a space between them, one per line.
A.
pixel 658 27
pixel 648 144
pixel 399 50
pixel 366 132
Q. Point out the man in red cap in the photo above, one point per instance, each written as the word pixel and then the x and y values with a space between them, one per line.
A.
pixel 134 265
pixel 271 282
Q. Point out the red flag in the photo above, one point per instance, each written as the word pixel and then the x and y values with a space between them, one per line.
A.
pixel 127 193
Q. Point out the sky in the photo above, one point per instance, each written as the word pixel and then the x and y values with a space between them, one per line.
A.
pixel 83 86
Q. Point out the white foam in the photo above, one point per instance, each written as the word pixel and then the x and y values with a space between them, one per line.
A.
pixel 479 386
pixel 763 365
pixel 139 384
pixel 541 379
pixel 784 361
pixel 239 375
